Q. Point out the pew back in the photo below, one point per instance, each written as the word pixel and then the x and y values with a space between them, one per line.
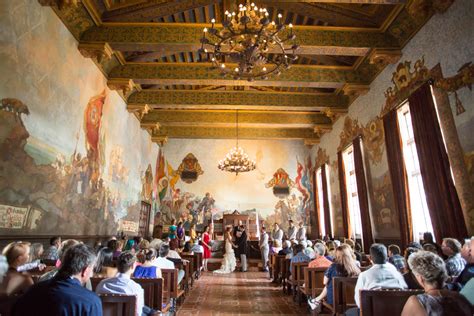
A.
pixel 313 281
pixel 343 294
pixel 118 304
pixel 386 302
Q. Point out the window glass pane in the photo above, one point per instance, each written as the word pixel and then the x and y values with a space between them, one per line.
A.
pixel 352 194
pixel 319 180
pixel 421 219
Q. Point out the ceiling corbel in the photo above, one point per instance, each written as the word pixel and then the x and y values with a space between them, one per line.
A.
pixel 98 51
pixel 59 3
pixel 139 110
pixel 354 91
pixel 161 139
pixel 311 141
pixel 384 57
pixel 126 86
pixel 422 9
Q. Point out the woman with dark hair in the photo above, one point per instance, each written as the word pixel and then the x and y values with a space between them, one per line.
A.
pixel 409 277
pixel 147 270
pixel 103 266
pixel 430 272
pixel 180 234
pixel 206 243
pixel 344 266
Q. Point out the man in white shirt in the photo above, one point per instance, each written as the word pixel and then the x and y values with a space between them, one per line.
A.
pixel 163 263
pixel 264 248
pixel 301 233
pixel 291 235
pixel 123 284
pixel 277 234
pixel 382 275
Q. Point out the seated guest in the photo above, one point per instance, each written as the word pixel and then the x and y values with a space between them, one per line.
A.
pixel 428 239
pixel 299 255
pixel 320 260
pixel 52 253
pixel 381 275
pixel 163 263
pixel 430 271
pixel 431 247
pixel 116 246
pixel 173 254
pixel 156 243
pixel 331 249
pixel 455 263
pixel 468 291
pixel 144 244
pixel 468 255
pixel 103 266
pixel 197 248
pixel 65 245
pixel 187 247
pixel 409 277
pixel 344 266
pixel 415 244
pixel 286 248
pixel 395 258
pixel 14 282
pixel 147 269
pixel 64 294
pixel 123 284
pixel 34 262
pixel 309 251
pixel 276 246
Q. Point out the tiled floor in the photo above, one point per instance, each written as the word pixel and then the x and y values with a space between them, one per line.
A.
pixel 249 293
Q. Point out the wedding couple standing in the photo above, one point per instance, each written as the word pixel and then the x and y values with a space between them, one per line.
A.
pixel 237 241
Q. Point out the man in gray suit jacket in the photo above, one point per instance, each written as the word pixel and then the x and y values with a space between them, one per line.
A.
pixel 264 248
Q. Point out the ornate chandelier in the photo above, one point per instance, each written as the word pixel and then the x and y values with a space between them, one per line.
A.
pixel 245 41
pixel 237 160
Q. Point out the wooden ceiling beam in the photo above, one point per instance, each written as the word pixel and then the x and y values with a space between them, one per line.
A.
pixel 186 36
pixel 339 1
pixel 226 118
pixel 249 100
pixel 197 132
pixel 153 10
pixel 203 74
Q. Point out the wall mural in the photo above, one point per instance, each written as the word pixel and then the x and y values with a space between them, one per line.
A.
pixel 75 194
pixel 294 198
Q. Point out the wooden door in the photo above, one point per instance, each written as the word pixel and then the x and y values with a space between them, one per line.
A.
pixel 144 222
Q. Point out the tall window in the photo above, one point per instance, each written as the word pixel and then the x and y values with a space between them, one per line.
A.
pixel 352 194
pixel 321 207
pixel 421 220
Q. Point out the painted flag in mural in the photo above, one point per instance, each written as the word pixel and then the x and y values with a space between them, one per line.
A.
pixel 300 180
pixel 92 121
pixel 161 179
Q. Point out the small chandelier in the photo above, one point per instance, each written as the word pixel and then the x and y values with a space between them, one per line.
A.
pixel 237 160
pixel 245 41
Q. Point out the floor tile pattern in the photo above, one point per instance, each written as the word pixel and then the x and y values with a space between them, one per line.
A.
pixel 249 293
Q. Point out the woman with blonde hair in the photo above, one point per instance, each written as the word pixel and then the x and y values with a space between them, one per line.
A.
pixel 345 266
pixel 14 282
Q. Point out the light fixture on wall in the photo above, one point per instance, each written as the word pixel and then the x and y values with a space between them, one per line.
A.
pixel 251 42
pixel 237 160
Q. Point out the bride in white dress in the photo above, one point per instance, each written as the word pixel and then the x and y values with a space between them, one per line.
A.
pixel 229 263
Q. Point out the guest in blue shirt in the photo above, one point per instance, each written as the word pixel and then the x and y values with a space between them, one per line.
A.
pixel 299 255
pixel 123 284
pixel 64 295
pixel 147 269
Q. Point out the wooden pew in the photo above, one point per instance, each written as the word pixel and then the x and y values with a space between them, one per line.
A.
pixel 297 279
pixel 313 282
pixel 386 302
pixel 118 304
pixel 171 286
pixel 185 266
pixel 285 273
pixel 276 267
pixel 192 266
pixel 343 295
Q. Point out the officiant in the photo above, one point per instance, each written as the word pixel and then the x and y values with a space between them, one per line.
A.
pixel 240 235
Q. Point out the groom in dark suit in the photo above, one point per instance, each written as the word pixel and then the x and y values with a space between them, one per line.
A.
pixel 240 234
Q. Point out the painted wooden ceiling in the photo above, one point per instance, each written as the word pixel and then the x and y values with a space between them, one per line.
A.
pixel 147 49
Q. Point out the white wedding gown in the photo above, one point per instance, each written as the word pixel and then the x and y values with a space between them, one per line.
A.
pixel 229 263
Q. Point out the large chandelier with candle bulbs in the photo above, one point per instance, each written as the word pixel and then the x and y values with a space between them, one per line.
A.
pixel 241 48
pixel 237 160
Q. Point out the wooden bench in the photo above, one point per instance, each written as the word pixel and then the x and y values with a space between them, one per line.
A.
pixel 155 296
pixel 276 261
pixel 297 279
pixel 193 270
pixel 171 286
pixel 386 302
pixel 285 273
pixel 118 305
pixel 185 266
pixel 313 282
pixel 343 295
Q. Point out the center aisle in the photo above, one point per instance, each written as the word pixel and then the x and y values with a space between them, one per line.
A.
pixel 238 293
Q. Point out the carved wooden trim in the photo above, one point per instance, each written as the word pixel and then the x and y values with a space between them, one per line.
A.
pixel 98 51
